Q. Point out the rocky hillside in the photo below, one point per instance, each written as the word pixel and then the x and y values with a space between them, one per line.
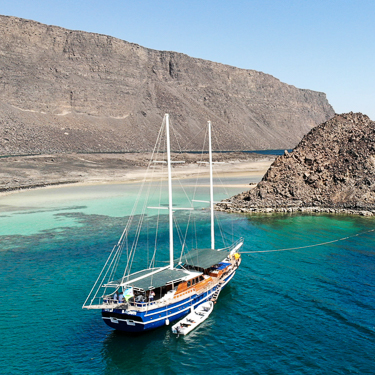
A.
pixel 64 90
pixel 332 169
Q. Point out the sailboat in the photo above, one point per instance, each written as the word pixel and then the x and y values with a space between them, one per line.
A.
pixel 157 295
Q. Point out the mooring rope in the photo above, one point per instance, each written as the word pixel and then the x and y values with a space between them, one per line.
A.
pixel 307 246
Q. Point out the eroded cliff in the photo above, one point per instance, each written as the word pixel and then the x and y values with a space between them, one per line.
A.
pixel 64 91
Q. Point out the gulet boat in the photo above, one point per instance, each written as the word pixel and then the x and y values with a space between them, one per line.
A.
pixel 157 295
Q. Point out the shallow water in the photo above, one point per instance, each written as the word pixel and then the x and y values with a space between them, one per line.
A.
pixel 307 311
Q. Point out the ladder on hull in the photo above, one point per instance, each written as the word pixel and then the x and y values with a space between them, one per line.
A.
pixel 217 291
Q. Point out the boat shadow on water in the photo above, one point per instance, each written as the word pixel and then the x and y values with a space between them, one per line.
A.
pixel 153 351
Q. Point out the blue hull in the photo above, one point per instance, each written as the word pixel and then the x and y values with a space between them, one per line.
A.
pixel 136 321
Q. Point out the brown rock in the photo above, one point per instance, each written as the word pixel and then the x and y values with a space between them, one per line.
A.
pixel 338 172
pixel 73 91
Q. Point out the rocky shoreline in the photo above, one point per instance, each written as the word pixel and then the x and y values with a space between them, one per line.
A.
pixel 332 170
pixel 285 210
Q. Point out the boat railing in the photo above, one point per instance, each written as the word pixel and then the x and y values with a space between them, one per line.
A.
pixel 107 304
pixel 182 294
pixel 110 303
pixel 233 245
pixel 160 302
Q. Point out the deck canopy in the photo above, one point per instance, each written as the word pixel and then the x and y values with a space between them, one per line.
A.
pixel 204 258
pixel 155 278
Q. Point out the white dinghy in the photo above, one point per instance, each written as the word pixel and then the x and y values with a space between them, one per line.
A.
pixel 196 317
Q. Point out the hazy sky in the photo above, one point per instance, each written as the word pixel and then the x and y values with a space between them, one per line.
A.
pixel 322 45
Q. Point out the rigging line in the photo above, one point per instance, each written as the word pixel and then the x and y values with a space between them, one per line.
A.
pixel 141 189
pixel 191 203
pixel 307 246
pixel 140 223
pixel 92 289
pixel 116 256
pixel 194 194
pixel 179 232
pixel 199 165
pixel 217 176
pixel 186 195
pixel 174 133
pixel 223 187
pixel 178 229
pixel 158 141
pixel 195 229
pixel 114 262
pixel 106 273
pixel 183 238
pixel 186 233
pixel 131 254
pixel 183 243
pixel 220 229
pixel 152 262
pixel 148 250
pixel 163 157
pixel 191 141
pixel 222 233
pixel 218 145
pixel 222 155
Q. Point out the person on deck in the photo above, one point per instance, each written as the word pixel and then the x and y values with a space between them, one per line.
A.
pixel 121 297
pixel 151 296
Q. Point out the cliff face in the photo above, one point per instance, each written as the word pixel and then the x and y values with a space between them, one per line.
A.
pixel 332 169
pixel 64 90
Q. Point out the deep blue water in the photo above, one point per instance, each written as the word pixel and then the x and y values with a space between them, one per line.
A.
pixel 308 311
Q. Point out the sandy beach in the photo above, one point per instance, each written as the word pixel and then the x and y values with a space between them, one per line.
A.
pixel 30 172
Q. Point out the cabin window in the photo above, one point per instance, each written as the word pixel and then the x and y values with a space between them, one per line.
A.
pixel 188 283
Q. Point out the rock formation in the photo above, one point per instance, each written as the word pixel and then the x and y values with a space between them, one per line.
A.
pixel 331 170
pixel 73 91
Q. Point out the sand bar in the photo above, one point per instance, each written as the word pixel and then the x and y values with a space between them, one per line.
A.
pixel 19 173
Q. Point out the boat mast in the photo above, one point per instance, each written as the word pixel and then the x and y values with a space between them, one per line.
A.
pixel 170 205
pixel 211 188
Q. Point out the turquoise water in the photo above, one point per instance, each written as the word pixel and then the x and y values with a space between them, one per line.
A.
pixel 308 311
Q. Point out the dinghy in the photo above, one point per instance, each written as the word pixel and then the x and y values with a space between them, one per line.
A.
pixel 196 317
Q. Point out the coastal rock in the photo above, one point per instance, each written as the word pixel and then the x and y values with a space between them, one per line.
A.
pixel 331 170
pixel 74 91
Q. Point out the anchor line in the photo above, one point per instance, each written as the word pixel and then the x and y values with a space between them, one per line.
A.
pixel 307 246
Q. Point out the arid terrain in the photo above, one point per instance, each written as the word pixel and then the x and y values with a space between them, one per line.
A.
pixel 74 91
pixel 331 170
pixel 45 170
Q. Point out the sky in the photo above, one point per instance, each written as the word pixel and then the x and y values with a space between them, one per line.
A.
pixel 321 45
